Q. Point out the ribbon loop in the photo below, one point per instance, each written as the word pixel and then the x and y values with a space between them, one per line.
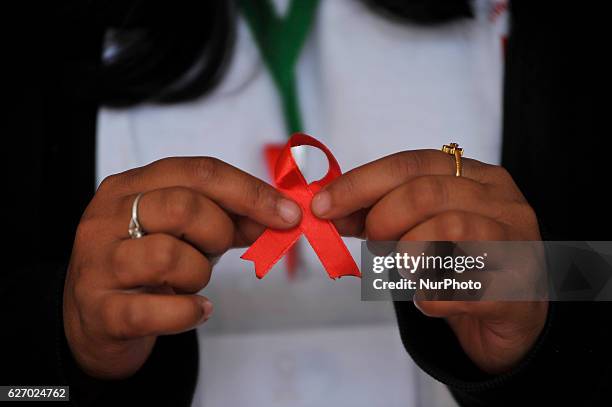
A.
pixel 321 234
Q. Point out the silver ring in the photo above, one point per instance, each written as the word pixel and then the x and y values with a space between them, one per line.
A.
pixel 135 230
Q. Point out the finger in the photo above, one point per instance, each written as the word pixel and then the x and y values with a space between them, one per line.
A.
pixel 365 185
pixel 160 260
pixel 185 214
pixel 231 188
pixel 456 226
pixel 137 315
pixel 352 225
pixel 424 197
pixel 247 231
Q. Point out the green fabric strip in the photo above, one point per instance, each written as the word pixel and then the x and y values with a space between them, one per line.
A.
pixel 280 41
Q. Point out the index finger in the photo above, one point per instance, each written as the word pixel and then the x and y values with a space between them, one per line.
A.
pixel 363 186
pixel 228 186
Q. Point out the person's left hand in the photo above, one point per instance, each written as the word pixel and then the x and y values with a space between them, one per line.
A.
pixel 414 195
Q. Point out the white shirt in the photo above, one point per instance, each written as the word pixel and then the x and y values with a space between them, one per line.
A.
pixel 368 87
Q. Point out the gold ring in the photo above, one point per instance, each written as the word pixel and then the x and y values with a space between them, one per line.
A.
pixel 456 151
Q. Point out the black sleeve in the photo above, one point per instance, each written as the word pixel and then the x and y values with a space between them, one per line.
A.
pixel 48 179
pixel 553 122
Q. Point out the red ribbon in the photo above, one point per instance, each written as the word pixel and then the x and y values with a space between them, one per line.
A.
pixel 271 153
pixel 321 234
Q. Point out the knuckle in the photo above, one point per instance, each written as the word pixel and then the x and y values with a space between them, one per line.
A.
pixel 109 182
pixel 180 204
pixel 120 255
pixel 165 163
pixel 162 251
pixel 120 182
pixel 453 226
pixel 406 163
pixel 498 174
pixel 346 187
pixel 427 192
pixel 222 232
pixel 205 168
pixel 259 196
pixel 121 265
pixel 196 276
pixel 135 320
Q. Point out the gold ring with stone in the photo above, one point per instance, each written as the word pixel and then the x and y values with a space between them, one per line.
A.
pixel 456 151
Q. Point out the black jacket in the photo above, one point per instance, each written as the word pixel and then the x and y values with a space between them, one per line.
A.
pixel 554 146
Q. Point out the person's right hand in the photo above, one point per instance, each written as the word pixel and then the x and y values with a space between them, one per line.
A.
pixel 121 293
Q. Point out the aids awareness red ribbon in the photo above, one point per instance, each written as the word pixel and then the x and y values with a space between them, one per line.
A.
pixel 321 234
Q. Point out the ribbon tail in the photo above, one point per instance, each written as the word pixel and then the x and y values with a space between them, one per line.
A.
pixel 293 260
pixel 331 250
pixel 269 248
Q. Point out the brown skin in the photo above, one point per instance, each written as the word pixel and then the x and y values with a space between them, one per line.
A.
pixel 414 195
pixel 121 294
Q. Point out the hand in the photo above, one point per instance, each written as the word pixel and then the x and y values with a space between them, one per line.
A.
pixel 414 195
pixel 121 293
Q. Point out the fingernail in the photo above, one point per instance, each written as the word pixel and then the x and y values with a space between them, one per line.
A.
pixel 207 306
pixel 321 203
pixel 288 210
